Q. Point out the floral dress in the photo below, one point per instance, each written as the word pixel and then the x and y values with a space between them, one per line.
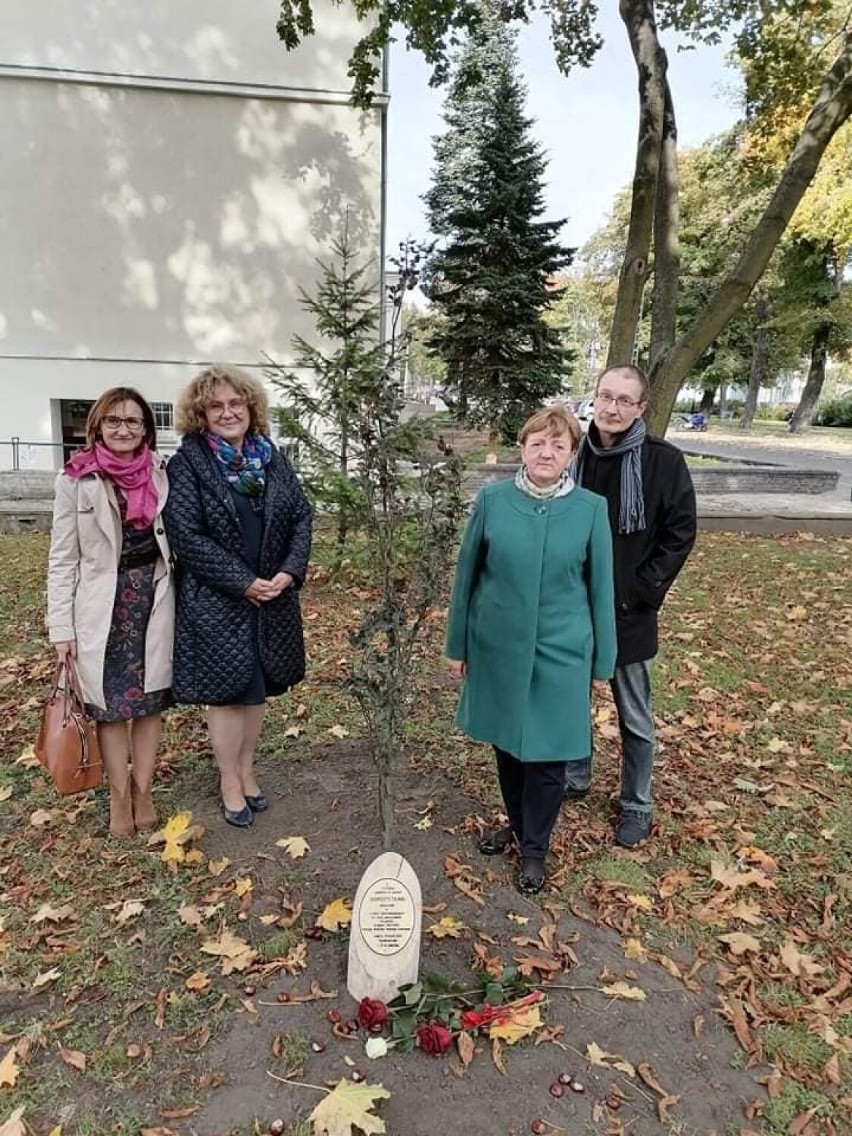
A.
pixel 124 662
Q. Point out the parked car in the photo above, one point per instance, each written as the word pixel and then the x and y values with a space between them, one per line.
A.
pixel 585 409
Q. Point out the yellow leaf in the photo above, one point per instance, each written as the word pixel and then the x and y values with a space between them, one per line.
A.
pixel 9 1069
pixel 217 867
pixel 424 824
pixel 521 920
pixel 235 953
pixel 633 949
pixel 27 758
pixel 57 1131
pixel 349 1106
pixel 622 990
pixel 175 833
pixel 448 928
pixel 339 732
pixel 335 915
pixel 242 885
pixel 597 1056
pixel 797 613
pixel 522 1023
pixel 643 902
pixel 294 846
pixel 194 856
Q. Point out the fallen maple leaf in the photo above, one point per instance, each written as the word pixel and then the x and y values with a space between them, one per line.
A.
pixel 801 965
pixel 520 1023
pixel 623 990
pixel 130 909
pixel 597 1056
pixel 339 731
pixel 177 831
pixel 448 928
pixel 46 977
pixel 633 949
pixel 234 952
pixel 335 915
pixel 199 982
pixel 349 1106
pixel 190 915
pixel 50 914
pixel 643 902
pixel 242 886
pixel 9 1069
pixel 741 943
pixel 294 846
pixel 217 867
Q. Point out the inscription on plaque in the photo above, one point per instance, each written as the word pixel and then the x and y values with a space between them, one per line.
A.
pixel 384 941
pixel 386 917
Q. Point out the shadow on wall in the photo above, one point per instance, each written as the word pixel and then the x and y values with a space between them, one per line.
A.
pixel 158 225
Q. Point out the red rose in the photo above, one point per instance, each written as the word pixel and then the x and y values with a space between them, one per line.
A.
pixel 372 1014
pixel 434 1039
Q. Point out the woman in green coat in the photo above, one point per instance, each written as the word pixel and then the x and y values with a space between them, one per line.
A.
pixel 531 625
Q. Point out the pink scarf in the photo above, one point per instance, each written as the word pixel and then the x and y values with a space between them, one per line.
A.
pixel 135 477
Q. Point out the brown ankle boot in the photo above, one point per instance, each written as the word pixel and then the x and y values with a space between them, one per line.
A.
pixel 120 812
pixel 143 809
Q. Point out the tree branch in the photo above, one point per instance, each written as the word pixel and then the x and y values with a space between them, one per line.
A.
pixel 638 17
pixel 831 109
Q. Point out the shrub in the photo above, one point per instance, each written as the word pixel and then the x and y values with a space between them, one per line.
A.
pixel 835 412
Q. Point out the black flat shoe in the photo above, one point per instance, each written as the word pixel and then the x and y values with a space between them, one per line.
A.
pixel 258 804
pixel 532 878
pixel 239 818
pixel 496 843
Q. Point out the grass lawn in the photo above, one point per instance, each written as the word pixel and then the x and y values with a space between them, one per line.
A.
pixel 107 1000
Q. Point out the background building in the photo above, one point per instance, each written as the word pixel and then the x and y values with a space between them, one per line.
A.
pixel 169 176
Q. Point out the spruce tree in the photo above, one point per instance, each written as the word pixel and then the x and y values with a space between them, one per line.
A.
pixel 488 277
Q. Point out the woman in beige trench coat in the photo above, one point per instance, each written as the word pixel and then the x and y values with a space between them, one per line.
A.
pixel 110 600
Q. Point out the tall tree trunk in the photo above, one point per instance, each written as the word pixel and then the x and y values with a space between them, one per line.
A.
pixel 831 109
pixel 638 17
pixel 708 397
pixel 666 239
pixel 757 369
pixel 804 412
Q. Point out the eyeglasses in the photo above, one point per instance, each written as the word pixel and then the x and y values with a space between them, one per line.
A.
pixel 114 422
pixel 235 406
pixel 621 401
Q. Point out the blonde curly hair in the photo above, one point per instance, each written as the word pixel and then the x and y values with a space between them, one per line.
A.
pixel 191 410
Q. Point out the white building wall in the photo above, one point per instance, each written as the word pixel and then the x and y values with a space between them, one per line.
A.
pixel 170 175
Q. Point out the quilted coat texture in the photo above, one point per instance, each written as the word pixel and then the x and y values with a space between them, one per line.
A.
pixel 217 629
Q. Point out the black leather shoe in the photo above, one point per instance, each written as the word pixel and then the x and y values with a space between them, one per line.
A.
pixel 258 804
pixel 496 843
pixel 239 818
pixel 531 879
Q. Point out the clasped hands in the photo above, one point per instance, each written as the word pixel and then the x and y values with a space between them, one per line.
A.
pixel 262 591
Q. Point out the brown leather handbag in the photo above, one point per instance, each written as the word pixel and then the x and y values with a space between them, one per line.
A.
pixel 67 744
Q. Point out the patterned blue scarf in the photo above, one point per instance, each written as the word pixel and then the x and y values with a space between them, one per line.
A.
pixel 246 470
pixel 631 504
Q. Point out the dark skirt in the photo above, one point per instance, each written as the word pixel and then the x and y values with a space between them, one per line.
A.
pixel 124 662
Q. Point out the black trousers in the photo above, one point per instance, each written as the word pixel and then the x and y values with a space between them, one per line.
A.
pixel 532 794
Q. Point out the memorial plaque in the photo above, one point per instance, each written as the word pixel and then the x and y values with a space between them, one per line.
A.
pixel 384 941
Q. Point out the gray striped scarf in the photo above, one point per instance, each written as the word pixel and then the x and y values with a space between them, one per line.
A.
pixel 631 505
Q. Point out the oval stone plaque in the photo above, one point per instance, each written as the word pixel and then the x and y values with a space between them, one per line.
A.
pixel 386 916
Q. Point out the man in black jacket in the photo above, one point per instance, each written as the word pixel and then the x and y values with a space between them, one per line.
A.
pixel 652 516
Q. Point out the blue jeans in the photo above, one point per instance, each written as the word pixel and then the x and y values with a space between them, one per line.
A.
pixel 631 690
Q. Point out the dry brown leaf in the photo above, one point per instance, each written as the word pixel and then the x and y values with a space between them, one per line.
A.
pixel 190 915
pixel 548 1034
pixel 295 846
pixel 15 1125
pixel 10 1069
pixel 802 965
pixel 544 965
pixel 497 1056
pixel 663 1106
pixel 740 943
pixel 199 982
pixel 466 1047
pixel 130 909
pixel 217 867
pixel 648 1075
pixel 47 913
pixel 235 953
pixel 73 1057
pixel 623 990
pixel 41 817
pixel 597 1056
pixel 46 977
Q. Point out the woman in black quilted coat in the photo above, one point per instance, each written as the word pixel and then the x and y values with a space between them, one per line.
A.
pixel 240 529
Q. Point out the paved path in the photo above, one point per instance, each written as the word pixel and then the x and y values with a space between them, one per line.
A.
pixel 791 451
